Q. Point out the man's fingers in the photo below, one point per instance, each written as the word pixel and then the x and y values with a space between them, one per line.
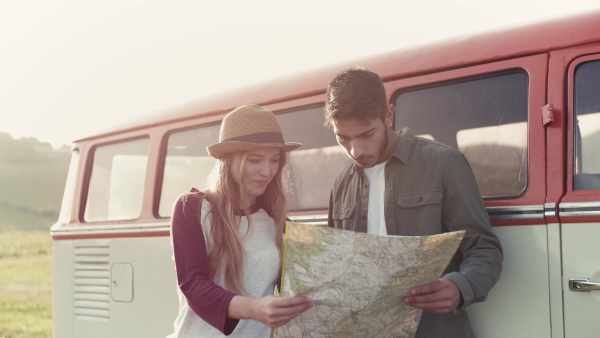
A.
pixel 427 288
pixel 435 303
pixel 441 296
pixel 435 307
pixel 425 298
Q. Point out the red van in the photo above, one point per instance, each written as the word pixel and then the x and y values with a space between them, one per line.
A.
pixel 522 104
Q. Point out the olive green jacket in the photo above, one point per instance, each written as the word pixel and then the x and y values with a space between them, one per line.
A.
pixel 429 189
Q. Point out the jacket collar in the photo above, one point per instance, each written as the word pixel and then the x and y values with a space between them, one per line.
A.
pixel 401 152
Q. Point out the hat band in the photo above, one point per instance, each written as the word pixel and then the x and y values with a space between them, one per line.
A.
pixel 262 137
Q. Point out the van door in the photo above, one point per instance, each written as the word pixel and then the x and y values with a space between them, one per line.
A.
pixel 579 210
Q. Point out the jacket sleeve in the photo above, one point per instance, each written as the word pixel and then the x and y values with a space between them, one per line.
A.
pixel 480 249
pixel 207 299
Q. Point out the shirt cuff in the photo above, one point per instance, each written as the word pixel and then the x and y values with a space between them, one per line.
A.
pixel 463 286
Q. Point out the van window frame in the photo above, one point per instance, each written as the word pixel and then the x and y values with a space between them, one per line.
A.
pixel 517 70
pixel 162 160
pixel 290 109
pixel 89 166
pixel 294 204
pixel 572 193
pixel 536 67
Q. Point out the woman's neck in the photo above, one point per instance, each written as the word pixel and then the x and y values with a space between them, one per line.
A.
pixel 252 208
pixel 248 202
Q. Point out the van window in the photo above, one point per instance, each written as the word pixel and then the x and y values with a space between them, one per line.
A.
pixel 187 164
pixel 587 126
pixel 484 117
pixel 314 165
pixel 116 187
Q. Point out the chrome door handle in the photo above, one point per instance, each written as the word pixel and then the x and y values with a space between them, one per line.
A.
pixel 582 284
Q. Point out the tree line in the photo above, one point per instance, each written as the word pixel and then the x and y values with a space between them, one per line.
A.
pixel 32 179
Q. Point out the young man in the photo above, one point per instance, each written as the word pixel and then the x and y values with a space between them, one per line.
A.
pixel 400 184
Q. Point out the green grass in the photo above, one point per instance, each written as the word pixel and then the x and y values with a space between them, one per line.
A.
pixel 25 284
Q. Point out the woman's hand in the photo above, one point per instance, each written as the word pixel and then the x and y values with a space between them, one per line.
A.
pixel 270 310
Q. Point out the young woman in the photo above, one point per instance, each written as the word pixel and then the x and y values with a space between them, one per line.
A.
pixel 228 240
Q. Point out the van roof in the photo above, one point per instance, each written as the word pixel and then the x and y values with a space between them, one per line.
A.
pixel 505 43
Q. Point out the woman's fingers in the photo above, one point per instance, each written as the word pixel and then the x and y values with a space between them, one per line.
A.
pixel 279 311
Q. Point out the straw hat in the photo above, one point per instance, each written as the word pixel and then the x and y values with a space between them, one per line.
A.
pixel 249 127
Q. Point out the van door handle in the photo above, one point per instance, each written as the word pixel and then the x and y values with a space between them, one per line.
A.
pixel 582 284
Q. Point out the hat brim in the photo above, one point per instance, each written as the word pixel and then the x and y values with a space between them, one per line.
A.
pixel 219 149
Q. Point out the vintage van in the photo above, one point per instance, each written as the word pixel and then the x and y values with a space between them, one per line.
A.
pixel 523 104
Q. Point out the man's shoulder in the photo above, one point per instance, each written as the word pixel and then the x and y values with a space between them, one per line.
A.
pixel 413 146
pixel 426 145
pixel 433 144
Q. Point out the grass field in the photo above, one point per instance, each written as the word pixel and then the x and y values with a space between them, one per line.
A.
pixel 25 284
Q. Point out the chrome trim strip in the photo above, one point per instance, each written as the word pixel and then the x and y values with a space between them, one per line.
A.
pixel 579 209
pixel 311 219
pixel 516 213
pixel 568 205
pixel 321 219
pixel 550 210
pixel 59 230
pixel 495 213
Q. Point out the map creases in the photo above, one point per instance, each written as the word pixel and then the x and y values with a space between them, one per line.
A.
pixel 356 281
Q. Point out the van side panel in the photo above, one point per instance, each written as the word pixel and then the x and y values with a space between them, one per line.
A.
pixel 554 280
pixel 580 257
pixel 516 307
pixel 123 285
pixel 62 289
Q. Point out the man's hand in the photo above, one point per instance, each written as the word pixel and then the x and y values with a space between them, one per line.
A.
pixel 441 296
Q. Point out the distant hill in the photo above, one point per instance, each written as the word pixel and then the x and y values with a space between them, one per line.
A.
pixel 32 179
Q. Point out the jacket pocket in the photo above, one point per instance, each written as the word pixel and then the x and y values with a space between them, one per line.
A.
pixel 420 199
pixel 421 211
pixel 343 216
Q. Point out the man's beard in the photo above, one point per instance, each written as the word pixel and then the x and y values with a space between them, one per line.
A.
pixel 385 144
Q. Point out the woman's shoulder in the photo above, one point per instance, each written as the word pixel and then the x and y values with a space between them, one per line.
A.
pixel 192 195
pixel 189 202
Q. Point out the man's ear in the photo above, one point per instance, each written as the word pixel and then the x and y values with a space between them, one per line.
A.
pixel 389 116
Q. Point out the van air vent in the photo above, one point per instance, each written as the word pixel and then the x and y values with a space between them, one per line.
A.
pixel 91 282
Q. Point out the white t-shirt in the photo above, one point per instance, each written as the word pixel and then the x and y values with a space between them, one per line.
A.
pixel 261 268
pixel 376 217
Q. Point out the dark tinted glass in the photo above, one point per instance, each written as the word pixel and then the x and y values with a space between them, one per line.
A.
pixel 485 118
pixel 187 164
pixel 314 165
pixel 587 126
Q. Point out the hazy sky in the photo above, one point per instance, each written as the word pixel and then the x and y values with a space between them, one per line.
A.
pixel 69 69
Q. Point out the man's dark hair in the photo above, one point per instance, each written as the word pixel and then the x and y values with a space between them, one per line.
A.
pixel 355 93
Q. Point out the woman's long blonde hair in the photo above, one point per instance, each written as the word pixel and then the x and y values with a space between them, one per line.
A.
pixel 225 195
